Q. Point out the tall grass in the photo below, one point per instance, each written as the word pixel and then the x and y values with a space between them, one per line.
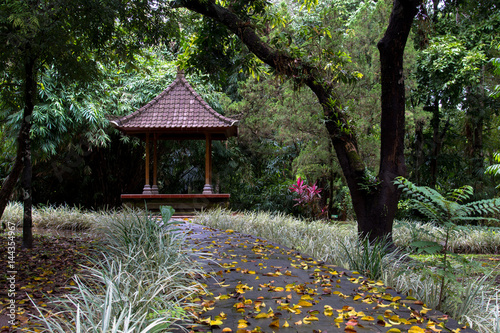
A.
pixel 55 217
pixel 472 301
pixel 371 259
pixel 468 239
pixel 141 284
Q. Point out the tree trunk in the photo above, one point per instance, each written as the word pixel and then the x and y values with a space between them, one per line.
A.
pixel 419 150
pixel 27 197
pixel 380 209
pixel 11 180
pixel 374 199
pixel 29 98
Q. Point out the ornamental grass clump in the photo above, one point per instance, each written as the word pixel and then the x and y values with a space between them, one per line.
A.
pixel 54 217
pixel 13 214
pixel 370 259
pixel 141 283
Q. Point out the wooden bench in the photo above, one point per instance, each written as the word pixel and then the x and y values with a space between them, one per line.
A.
pixel 184 204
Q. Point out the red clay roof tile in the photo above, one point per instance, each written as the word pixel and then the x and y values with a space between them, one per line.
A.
pixel 178 107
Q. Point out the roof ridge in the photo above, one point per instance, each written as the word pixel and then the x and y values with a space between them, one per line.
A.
pixel 150 103
pixel 204 103
pixel 179 107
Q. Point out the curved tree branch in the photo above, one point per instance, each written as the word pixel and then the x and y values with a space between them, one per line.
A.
pixel 374 200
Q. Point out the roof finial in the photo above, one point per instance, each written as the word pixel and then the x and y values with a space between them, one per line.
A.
pixel 180 72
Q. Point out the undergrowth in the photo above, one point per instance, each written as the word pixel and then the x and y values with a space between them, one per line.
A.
pixel 142 284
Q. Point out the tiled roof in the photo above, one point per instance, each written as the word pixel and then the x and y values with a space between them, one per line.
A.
pixel 177 109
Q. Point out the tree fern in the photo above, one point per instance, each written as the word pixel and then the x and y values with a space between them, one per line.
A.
pixel 450 207
pixel 449 211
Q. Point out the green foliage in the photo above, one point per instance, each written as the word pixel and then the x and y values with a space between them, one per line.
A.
pixel 447 211
pixel 449 208
pixel 282 135
pixel 166 213
pixel 453 79
pixel 370 259
pixel 494 169
pixel 7 147
pixel 496 63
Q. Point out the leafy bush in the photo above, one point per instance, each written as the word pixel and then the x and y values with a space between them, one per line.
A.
pixel 447 211
pixel 307 197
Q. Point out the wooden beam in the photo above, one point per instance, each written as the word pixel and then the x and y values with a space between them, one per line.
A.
pixel 147 187
pixel 154 188
pixel 207 189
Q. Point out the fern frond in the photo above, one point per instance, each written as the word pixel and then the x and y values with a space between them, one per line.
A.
pixel 482 207
pixel 495 168
pixel 428 209
pixel 460 194
pixel 448 209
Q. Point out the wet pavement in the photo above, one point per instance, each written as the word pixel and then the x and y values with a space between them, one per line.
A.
pixel 253 285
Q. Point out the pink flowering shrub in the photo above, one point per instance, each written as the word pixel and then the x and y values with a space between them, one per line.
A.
pixel 307 197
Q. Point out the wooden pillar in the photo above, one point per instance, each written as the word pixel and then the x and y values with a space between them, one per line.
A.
pixel 207 189
pixel 147 186
pixel 154 188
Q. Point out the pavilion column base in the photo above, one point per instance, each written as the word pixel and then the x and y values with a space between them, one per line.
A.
pixel 154 189
pixel 147 189
pixel 207 189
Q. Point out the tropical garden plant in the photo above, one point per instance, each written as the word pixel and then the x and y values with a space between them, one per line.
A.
pixel 449 211
pixel 494 169
pixel 307 197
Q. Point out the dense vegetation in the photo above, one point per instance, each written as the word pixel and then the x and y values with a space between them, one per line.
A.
pixel 451 133
pixel 329 118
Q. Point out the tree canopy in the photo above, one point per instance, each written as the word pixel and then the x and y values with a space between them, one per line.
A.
pixel 319 87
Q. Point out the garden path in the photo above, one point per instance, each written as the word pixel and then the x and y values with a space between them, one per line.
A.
pixel 257 286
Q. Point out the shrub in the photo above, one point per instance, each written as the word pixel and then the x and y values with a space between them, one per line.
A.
pixel 307 197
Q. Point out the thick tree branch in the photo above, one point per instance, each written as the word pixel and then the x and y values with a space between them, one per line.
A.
pixel 341 133
pixel 374 200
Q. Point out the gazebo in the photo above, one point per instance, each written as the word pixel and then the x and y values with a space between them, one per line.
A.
pixel 177 113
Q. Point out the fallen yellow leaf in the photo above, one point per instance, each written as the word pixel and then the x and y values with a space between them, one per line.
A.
pixel 275 323
pixel 305 303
